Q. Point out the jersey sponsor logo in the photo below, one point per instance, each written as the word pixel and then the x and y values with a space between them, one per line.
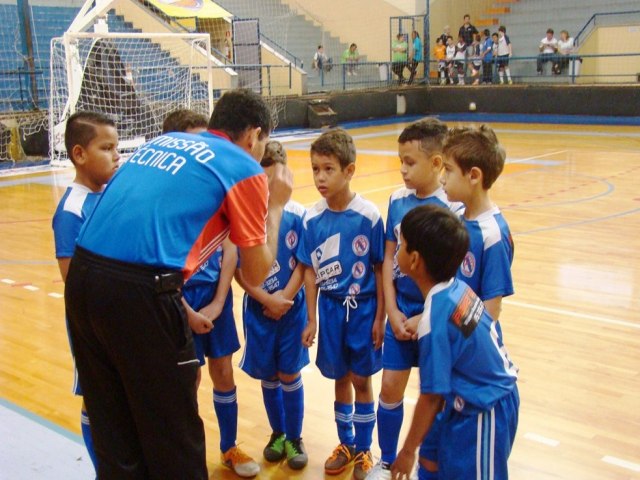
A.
pixel 292 263
pixel 360 245
pixel 467 313
pixel 358 270
pixel 291 239
pixel 275 268
pixel 330 248
pixel 354 289
pixel 468 266
pixel 331 270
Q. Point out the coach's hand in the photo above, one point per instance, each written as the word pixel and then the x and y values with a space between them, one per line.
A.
pixel 280 184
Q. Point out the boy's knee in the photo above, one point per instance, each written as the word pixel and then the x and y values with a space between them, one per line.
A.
pixel 288 377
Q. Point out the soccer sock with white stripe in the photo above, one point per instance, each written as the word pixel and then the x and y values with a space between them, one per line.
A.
pixel 344 422
pixel 273 404
pixel 293 397
pixel 85 427
pixel 226 406
pixel 390 416
pixel 364 421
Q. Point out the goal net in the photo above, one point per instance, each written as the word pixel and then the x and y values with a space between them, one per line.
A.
pixel 135 78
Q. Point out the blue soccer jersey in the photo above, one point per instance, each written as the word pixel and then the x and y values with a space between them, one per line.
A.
pixel 408 296
pixel 226 188
pixel 342 247
pixel 206 276
pixel 288 239
pixel 73 209
pixel 461 353
pixel 486 267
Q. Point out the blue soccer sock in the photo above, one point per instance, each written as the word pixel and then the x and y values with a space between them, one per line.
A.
pixel 85 427
pixel 364 421
pixel 226 406
pixel 293 398
pixel 344 422
pixel 390 416
pixel 273 404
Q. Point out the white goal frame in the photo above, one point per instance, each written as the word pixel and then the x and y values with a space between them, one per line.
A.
pixel 188 53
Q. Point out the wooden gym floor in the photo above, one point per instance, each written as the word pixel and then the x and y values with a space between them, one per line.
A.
pixel 570 195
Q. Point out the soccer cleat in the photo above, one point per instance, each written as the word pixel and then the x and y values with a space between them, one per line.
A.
pixel 296 454
pixel 341 457
pixel 240 462
pixel 381 471
pixel 275 449
pixel 362 465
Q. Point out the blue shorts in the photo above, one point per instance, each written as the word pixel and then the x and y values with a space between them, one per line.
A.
pixel 223 339
pixel 466 442
pixel 398 354
pixel 273 346
pixel 345 346
pixel 502 61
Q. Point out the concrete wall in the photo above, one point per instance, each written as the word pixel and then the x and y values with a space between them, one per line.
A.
pixel 363 22
pixel 609 40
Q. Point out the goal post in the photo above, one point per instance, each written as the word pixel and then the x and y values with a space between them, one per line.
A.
pixel 135 78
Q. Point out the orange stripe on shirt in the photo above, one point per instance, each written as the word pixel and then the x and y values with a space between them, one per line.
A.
pixel 211 236
pixel 246 207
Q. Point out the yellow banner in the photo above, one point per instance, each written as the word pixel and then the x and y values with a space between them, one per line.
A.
pixel 191 8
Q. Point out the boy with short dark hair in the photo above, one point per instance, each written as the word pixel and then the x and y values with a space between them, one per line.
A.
pixel 473 160
pixel 342 247
pixel 420 152
pixel 275 316
pixel 467 379
pixel 91 140
pixel 185 120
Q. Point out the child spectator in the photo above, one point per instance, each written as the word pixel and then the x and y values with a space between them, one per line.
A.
pixel 450 52
pixel 473 160
pixel 275 315
pixel 91 140
pixel 321 62
pixel 342 248
pixel 503 53
pixel 350 58
pixel 476 59
pixel 486 52
pixel 420 152
pixel 459 59
pixel 440 54
pixel 467 379
pixel 566 47
pixel 209 297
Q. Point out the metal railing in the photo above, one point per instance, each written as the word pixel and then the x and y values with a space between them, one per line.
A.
pixel 597 20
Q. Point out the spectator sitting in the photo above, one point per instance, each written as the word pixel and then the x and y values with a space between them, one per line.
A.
pixel 350 58
pixel 566 47
pixel 321 61
pixel 399 56
pixel 548 48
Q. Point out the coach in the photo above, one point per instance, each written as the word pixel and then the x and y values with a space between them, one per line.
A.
pixel 164 212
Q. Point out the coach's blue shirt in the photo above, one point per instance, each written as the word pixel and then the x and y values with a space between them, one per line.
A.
pixel 176 199
pixel 461 352
pixel 342 247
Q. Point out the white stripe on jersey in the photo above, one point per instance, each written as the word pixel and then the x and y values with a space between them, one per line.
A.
pixel 358 204
pixel 75 200
pixel 491 233
pixel 211 247
pixel 424 326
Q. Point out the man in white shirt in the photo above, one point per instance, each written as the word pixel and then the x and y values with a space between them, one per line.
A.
pixel 548 48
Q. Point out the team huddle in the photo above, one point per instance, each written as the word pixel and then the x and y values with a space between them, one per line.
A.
pixel 148 263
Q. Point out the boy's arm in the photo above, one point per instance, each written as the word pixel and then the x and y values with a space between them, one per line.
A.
pixel 283 299
pixel 295 282
pixel 197 321
pixel 311 293
pixel 424 414
pixel 63 265
pixel 494 307
pixel 396 317
pixel 229 263
pixel 274 304
pixel 377 333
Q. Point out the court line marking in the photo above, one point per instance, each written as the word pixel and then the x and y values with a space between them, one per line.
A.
pixel 542 439
pixel 55 295
pixel 569 313
pixel 621 463
pixel 8 281
pixel 581 222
